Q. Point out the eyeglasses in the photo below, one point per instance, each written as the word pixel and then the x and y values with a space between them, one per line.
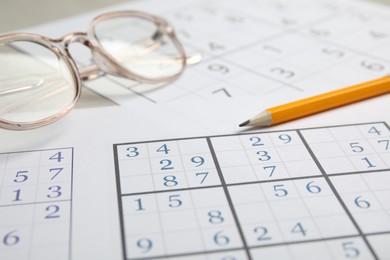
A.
pixel 40 82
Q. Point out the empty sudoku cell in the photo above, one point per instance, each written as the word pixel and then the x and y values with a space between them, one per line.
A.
pixel 21 176
pixel 293 153
pixel 136 184
pixel 47 234
pixel 327 150
pixel 321 135
pixel 135 167
pixel 250 193
pixel 337 165
pixel 345 133
pixel 178 220
pixel 144 246
pixel 3 161
pixel 55 157
pixel 193 146
pixel 47 252
pixel 228 255
pixel 132 151
pixel 183 242
pixel 25 215
pixel 142 224
pixel 380 244
pixel 302 168
pixel 25 159
pixel 238 174
pixel 233 158
pixel 226 143
pixel 253 82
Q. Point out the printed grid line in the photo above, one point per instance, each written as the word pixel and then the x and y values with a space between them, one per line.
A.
pixel 225 186
pixel 229 199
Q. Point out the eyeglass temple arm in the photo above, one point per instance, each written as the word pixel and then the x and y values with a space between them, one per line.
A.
pixel 92 71
pixel 89 72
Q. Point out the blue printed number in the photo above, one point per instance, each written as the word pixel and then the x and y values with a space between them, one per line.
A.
pixel 58 157
pixel 262 231
pixel 11 238
pixel 221 239
pixel 264 156
pixel 197 160
pixel 52 211
pixel 215 217
pixel 203 175
pixel 280 191
pixel 145 244
pixel 350 251
pixel 285 138
pixel 373 130
pixel 170 181
pixel 132 151
pixel 21 176
pixel 166 165
pixel 163 149
pixel 174 201
pixel 55 192
pixel 361 203
pixel 256 141
pixel 298 229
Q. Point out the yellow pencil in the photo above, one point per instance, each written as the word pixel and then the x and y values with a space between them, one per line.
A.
pixel 319 103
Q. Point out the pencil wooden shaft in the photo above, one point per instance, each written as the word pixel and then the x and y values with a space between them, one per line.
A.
pixel 329 100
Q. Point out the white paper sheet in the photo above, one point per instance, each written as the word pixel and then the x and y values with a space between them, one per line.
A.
pixel 257 54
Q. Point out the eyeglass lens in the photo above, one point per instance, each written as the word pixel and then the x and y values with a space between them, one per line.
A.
pixel 35 83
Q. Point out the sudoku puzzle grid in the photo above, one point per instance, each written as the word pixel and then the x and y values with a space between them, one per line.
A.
pixel 264 51
pixel 35 204
pixel 316 193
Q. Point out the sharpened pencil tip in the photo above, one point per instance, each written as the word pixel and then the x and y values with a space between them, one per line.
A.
pixel 244 123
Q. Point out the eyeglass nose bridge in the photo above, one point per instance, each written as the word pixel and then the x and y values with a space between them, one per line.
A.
pixel 89 72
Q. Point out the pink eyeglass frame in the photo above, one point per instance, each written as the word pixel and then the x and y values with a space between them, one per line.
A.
pixel 104 62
